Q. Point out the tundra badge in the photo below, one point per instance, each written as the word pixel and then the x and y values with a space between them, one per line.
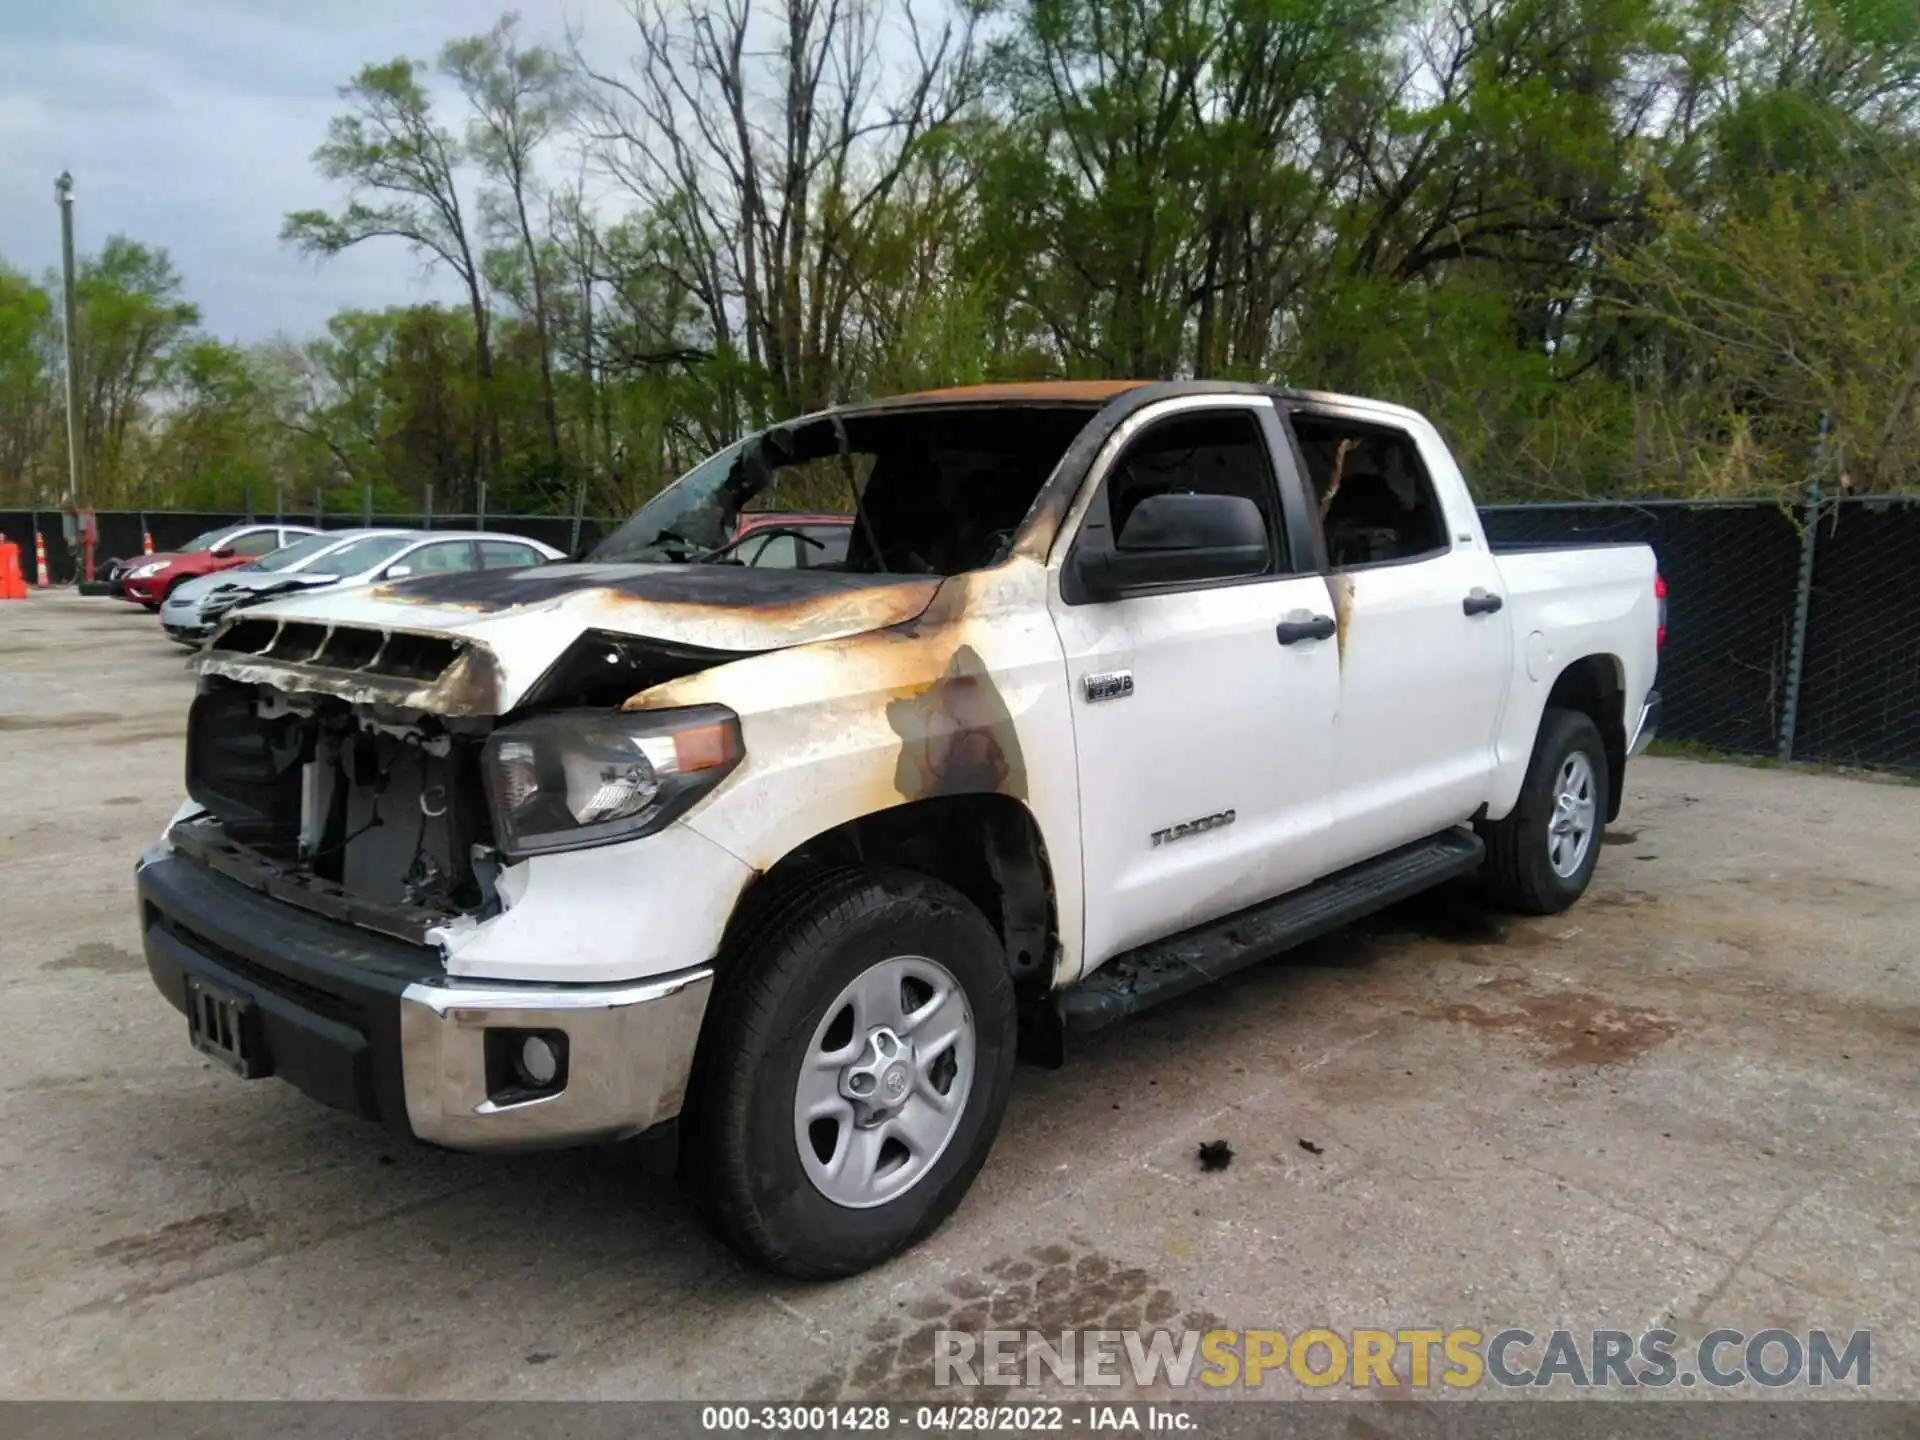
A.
pixel 1193 827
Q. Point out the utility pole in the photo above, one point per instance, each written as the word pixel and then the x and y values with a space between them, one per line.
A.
pixel 63 197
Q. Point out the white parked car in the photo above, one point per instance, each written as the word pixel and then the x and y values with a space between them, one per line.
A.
pixel 383 555
pixel 1117 688
pixel 193 608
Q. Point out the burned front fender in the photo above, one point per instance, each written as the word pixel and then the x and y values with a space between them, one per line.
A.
pixel 970 697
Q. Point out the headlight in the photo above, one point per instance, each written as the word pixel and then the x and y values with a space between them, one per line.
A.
pixel 141 572
pixel 590 777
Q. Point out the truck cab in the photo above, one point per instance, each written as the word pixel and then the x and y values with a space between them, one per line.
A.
pixel 1115 688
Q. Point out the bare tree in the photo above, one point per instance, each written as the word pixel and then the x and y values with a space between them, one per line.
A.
pixel 764 141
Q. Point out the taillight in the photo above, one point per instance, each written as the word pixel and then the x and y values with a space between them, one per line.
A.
pixel 1660 595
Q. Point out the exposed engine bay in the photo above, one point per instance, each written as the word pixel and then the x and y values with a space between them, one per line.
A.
pixel 382 822
pixel 379 814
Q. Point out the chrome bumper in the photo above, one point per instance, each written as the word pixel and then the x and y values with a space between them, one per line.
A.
pixel 1648 725
pixel 628 1055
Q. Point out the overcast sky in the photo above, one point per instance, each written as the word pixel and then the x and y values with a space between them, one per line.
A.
pixel 188 124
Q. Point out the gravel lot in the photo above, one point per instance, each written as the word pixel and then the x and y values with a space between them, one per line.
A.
pixel 1689 1102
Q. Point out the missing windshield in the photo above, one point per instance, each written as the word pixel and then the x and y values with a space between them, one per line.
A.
pixel 924 492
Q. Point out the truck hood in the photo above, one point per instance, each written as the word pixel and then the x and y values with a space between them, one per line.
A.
pixel 478 642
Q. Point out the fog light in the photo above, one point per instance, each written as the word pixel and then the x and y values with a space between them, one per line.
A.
pixel 536 1062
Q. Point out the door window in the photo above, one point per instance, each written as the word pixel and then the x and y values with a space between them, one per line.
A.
pixel 1375 501
pixel 505 555
pixel 829 547
pixel 441 556
pixel 257 543
pixel 1214 452
pixel 771 552
pixel 1220 453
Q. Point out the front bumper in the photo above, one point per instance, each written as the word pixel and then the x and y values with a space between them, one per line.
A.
pixel 187 629
pixel 1648 725
pixel 374 1025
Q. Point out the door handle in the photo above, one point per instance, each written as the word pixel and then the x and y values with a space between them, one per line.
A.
pixel 1479 602
pixel 1314 627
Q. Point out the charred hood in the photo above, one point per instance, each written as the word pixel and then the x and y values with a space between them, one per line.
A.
pixel 487 642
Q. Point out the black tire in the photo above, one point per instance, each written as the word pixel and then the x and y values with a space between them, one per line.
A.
pixel 792 959
pixel 1519 873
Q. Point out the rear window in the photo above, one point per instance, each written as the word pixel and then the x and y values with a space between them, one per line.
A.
pixel 505 555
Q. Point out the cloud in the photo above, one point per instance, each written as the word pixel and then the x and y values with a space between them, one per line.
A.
pixel 189 125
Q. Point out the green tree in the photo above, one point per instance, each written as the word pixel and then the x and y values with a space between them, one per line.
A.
pixel 389 146
pixel 29 379
pixel 132 319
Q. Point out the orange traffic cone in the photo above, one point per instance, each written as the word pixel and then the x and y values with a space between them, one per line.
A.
pixel 13 585
pixel 40 560
pixel 146 542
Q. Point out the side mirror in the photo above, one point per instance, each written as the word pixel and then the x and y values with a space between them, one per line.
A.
pixel 225 552
pixel 398 572
pixel 1178 539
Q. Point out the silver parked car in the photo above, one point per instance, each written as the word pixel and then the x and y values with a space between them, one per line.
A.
pixel 369 557
pixel 191 614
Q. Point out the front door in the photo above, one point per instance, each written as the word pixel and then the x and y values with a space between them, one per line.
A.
pixel 1204 742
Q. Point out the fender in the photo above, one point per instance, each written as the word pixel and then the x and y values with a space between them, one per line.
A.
pixel 968 698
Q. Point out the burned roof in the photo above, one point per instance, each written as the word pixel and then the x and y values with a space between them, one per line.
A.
pixel 1020 392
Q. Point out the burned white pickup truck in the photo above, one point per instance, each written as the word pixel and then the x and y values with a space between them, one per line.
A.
pixel 1110 689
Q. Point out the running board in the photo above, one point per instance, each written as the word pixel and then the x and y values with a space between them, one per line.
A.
pixel 1142 978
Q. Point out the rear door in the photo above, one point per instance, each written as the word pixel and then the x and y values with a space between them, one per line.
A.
pixel 1203 741
pixel 1424 648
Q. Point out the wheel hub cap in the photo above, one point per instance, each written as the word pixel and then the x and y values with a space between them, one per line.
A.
pixel 1575 810
pixel 884 1082
pixel 877 1082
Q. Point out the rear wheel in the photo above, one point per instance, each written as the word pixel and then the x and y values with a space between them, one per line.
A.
pixel 853 1073
pixel 1541 856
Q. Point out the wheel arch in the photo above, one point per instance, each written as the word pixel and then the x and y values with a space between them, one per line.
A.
pixel 1595 685
pixel 987 846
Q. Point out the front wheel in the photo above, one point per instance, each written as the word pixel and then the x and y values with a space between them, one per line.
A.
pixel 853 1073
pixel 1541 855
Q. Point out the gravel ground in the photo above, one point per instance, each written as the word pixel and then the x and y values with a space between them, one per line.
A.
pixel 1687 1103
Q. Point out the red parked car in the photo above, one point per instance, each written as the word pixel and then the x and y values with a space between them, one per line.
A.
pixel 147 580
pixel 789 540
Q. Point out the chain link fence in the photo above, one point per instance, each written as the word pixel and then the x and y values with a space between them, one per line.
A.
pixel 1736 573
pixel 1860 684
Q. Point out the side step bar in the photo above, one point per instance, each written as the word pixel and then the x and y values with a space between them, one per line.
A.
pixel 1142 978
